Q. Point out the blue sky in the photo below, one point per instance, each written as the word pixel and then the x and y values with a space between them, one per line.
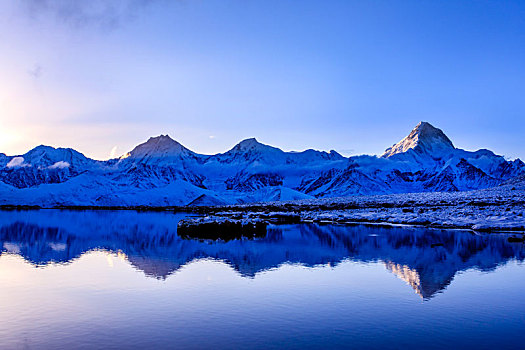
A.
pixel 354 76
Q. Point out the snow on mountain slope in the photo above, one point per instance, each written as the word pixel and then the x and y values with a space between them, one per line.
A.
pixel 251 165
pixel 343 182
pixel 246 154
pixel 45 164
pixel 158 162
pixel 250 153
pixel 159 150
pixel 251 150
pixel 425 140
pixel 517 182
pixel 161 171
pixel 46 156
pixel 91 189
pixel 426 160
pixel 4 160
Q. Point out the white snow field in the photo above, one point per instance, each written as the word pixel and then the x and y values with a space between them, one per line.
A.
pixel 496 209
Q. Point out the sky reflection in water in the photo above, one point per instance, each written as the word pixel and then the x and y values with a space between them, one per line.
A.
pixel 125 279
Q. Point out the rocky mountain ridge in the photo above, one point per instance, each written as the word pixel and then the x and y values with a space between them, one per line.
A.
pixel 163 172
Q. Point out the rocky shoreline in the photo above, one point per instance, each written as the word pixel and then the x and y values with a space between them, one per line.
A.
pixel 497 209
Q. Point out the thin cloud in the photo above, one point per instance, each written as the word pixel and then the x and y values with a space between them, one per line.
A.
pixel 113 152
pixel 59 165
pixel 17 162
pixel 36 71
pixel 104 14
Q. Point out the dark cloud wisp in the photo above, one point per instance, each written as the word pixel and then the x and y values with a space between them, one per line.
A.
pixel 36 71
pixel 105 14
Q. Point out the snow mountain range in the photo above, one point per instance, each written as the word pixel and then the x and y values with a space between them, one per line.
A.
pixel 162 172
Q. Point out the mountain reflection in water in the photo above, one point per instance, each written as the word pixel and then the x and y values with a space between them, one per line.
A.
pixel 426 259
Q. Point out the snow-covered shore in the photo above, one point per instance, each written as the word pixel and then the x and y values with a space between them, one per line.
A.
pixel 496 209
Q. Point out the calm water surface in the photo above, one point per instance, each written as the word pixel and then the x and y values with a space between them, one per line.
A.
pixel 114 280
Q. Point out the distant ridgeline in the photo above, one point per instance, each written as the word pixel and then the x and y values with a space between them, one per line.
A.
pixel 162 172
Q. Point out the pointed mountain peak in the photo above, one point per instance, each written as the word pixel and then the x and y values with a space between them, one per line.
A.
pixel 162 140
pixel 42 148
pixel 250 150
pixel 424 139
pixel 252 141
pixel 156 147
pixel 250 144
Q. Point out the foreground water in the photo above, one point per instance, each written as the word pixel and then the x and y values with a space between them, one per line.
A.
pixel 126 280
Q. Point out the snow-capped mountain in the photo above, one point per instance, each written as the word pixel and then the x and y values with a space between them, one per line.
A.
pixel 44 164
pixel 162 172
pixel 424 140
pixel 159 150
pixel 158 162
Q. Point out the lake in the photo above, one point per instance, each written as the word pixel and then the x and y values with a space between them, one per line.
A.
pixel 125 280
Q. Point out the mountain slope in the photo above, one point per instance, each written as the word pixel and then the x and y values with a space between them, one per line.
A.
pixel 162 172
pixel 44 165
pixel 159 150
pixel 424 139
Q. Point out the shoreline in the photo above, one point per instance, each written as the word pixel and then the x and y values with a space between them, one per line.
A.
pixel 499 209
